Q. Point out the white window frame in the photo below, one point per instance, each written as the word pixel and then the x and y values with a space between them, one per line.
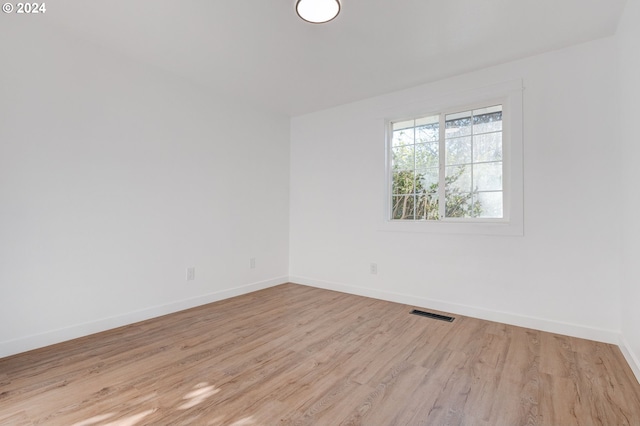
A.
pixel 509 95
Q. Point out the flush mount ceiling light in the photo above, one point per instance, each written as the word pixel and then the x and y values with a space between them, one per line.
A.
pixel 318 11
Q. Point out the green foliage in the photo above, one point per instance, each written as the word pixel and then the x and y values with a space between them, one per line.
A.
pixel 412 200
pixel 470 137
pixel 460 204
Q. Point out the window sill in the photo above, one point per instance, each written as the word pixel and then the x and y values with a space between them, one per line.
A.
pixel 506 228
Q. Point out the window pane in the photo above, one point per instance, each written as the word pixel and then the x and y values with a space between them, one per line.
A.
pixel 487 120
pixel 460 204
pixel 427 155
pixel 402 207
pixel 427 206
pixel 487 147
pixel 490 204
pixel 458 151
pixel 403 182
pixel 458 178
pixel 402 137
pixel 427 181
pixel 403 158
pixel 428 133
pixel 487 176
pixel 473 161
pixel 458 124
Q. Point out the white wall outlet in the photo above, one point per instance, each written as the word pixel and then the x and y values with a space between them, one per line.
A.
pixel 252 263
pixel 373 268
pixel 191 273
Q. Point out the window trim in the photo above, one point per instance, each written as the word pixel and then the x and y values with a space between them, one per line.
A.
pixel 510 96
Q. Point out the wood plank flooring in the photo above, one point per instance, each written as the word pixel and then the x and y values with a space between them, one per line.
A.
pixel 296 355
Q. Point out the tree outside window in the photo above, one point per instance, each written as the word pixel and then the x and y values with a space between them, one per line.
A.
pixel 459 152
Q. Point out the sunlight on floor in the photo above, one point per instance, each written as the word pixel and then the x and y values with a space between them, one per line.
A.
pixel 247 421
pixel 131 420
pixel 199 395
pixel 94 420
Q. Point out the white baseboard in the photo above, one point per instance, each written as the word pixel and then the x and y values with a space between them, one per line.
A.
pixel 630 356
pixel 558 327
pixel 24 344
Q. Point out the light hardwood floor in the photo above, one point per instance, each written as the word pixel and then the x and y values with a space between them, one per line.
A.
pixel 298 355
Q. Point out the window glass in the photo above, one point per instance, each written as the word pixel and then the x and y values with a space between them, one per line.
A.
pixel 460 151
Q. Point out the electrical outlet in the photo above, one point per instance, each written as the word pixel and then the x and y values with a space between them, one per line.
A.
pixel 252 263
pixel 373 268
pixel 191 273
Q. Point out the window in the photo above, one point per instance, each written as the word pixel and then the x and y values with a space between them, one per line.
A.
pixel 454 159
pixel 448 166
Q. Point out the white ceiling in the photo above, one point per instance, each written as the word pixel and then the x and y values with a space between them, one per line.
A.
pixel 260 51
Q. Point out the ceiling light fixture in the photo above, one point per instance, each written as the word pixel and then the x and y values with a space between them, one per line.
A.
pixel 318 11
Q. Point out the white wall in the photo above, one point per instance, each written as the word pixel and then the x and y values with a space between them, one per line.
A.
pixel 629 68
pixel 115 177
pixel 562 275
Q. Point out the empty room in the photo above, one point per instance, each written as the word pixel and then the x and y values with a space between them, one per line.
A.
pixel 319 212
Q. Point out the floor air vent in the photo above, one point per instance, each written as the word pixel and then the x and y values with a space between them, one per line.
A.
pixel 432 315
